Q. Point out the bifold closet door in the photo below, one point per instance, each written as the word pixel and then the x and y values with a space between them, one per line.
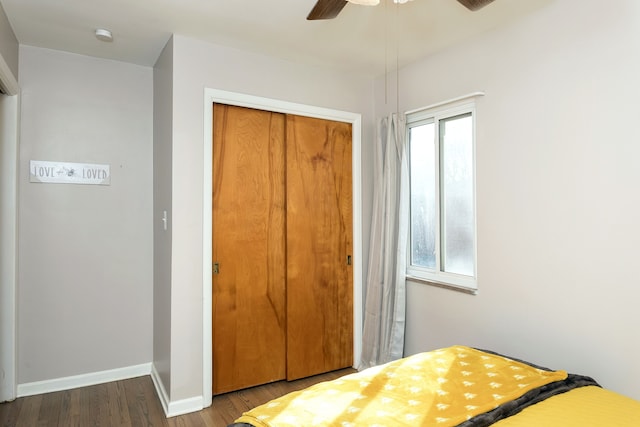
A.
pixel 319 246
pixel 249 314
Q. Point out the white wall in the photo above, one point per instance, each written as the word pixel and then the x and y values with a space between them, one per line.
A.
pixel 85 271
pixel 162 192
pixel 198 65
pixel 557 197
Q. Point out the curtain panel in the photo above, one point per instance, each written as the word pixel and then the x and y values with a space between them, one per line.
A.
pixel 385 301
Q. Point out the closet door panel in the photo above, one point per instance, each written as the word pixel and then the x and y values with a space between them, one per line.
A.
pixel 249 316
pixel 319 246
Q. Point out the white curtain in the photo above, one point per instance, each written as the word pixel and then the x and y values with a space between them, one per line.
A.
pixel 384 311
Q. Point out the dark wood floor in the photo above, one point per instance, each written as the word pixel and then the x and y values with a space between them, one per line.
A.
pixel 134 402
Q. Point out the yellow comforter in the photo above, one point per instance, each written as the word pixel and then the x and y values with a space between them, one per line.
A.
pixel 419 390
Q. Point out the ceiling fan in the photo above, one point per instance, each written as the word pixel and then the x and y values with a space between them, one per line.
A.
pixel 329 9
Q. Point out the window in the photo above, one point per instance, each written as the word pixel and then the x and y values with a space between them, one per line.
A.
pixel 442 240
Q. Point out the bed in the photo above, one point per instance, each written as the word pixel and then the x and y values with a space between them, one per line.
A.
pixel 453 386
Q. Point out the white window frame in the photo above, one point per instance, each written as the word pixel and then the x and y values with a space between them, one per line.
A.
pixel 434 114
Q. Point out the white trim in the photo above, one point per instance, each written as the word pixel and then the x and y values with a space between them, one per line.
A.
pixel 173 409
pixel 8 81
pixel 8 229
pixel 159 385
pixel 243 100
pixel 435 114
pixel 207 253
pixel 448 101
pixel 9 136
pixel 185 406
pixel 83 380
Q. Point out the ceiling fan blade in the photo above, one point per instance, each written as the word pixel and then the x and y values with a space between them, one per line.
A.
pixel 474 4
pixel 326 9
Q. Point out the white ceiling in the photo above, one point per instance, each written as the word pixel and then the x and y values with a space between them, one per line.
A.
pixel 355 41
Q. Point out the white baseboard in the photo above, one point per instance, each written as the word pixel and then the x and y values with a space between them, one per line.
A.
pixel 171 408
pixel 93 378
pixel 185 406
pixel 178 407
pixel 162 392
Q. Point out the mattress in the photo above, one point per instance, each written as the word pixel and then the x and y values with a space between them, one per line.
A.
pixel 582 407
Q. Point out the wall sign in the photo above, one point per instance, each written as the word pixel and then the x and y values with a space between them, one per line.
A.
pixel 69 173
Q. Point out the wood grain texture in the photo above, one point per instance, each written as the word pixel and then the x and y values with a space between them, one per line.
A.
pixel 326 9
pixel 249 244
pixel 319 240
pixel 119 400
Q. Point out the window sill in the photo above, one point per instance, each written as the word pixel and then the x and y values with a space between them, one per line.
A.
pixel 450 286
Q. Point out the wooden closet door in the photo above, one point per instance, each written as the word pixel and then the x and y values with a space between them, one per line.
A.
pixel 319 243
pixel 249 316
